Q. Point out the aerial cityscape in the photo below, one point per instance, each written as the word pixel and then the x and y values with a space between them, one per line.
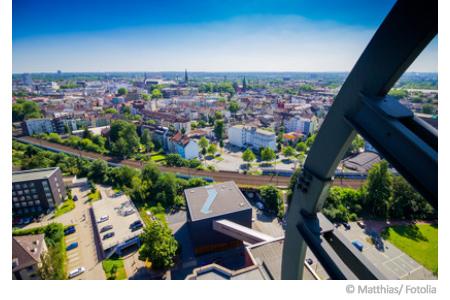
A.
pixel 173 169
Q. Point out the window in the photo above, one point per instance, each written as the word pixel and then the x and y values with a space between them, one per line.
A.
pixel 33 191
pixel 37 202
pixel 20 193
pixel 18 187
pixel 22 198
pixel 30 203
pixel 23 204
pixel 31 184
pixel 15 199
pixel 27 191
pixel 48 195
pixel 44 184
pixel 16 204
pixel 13 193
pixel 28 197
pixel 35 197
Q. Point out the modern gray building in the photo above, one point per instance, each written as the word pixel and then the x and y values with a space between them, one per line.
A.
pixel 216 202
pixel 36 191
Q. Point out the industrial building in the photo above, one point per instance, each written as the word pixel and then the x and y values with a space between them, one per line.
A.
pixel 209 209
pixel 36 191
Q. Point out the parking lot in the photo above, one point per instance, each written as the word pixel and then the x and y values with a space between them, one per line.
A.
pixel 392 262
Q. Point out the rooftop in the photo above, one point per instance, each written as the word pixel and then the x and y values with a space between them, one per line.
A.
pixel 33 174
pixel 26 250
pixel 215 200
pixel 268 255
pixel 116 208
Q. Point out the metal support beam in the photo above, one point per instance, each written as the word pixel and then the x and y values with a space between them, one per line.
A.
pixel 402 36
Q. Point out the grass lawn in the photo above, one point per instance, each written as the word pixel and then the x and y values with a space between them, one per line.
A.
pixel 158 157
pixel 65 207
pixel 114 269
pixel 418 241
pixel 94 196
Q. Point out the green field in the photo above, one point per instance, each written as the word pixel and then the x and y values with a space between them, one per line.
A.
pixel 114 269
pixel 418 241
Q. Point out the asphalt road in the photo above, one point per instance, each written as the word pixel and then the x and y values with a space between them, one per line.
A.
pixel 219 176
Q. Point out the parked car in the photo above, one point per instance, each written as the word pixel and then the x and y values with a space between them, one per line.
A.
pixel 108 235
pixel 361 224
pixel 75 198
pixel 118 194
pixel 259 205
pixel 106 228
pixel 128 212
pixel 309 261
pixel 136 227
pixel 76 272
pixel 346 226
pixel 137 222
pixel 72 246
pixel 103 219
pixel 69 230
pixel 27 220
pixel 358 245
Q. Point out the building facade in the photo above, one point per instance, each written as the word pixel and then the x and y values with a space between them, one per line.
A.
pixel 299 124
pixel 252 137
pixel 38 126
pixel 26 256
pixel 36 191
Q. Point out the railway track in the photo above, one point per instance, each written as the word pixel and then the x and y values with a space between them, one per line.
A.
pixel 219 176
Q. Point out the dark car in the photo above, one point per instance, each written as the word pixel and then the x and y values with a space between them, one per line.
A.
pixel 136 227
pixel 69 230
pixel 346 226
pixel 135 223
pixel 72 246
pixel 309 261
pixel 108 235
pixel 75 198
pixel 106 228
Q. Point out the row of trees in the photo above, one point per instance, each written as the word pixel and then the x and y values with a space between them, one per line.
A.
pixel 382 196
pixel 23 110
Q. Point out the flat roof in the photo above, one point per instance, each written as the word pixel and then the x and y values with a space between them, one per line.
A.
pixel 33 174
pixel 114 208
pixel 215 200
pixel 269 256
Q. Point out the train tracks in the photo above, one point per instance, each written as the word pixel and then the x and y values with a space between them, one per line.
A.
pixel 220 176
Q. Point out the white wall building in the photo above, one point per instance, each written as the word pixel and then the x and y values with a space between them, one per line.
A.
pixel 299 124
pixel 253 137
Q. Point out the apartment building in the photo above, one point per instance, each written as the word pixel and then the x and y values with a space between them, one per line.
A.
pixel 36 191
pixel 249 136
pixel 299 124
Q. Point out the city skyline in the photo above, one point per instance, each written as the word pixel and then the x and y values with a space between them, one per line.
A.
pixel 262 36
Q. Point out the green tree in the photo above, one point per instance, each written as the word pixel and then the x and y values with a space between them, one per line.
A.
pixel 23 110
pixel 301 147
pixel 212 148
pixel 272 199
pixel 146 97
pixel 156 94
pixel 158 245
pixel 98 172
pixel 203 143
pixel 146 140
pixel 165 190
pixel 122 91
pixel 267 154
pixel 219 129
pixel 248 155
pixel 124 138
pixel 428 109
pixel 233 106
pixel 342 204
pixel 407 203
pixel 174 160
pixel 288 151
pixel 378 190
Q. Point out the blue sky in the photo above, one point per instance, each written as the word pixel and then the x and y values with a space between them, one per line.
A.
pixel 207 35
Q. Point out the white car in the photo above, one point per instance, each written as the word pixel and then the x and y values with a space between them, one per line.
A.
pixel 103 219
pixel 76 272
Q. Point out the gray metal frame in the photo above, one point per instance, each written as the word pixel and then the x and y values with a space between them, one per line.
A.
pixel 362 105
